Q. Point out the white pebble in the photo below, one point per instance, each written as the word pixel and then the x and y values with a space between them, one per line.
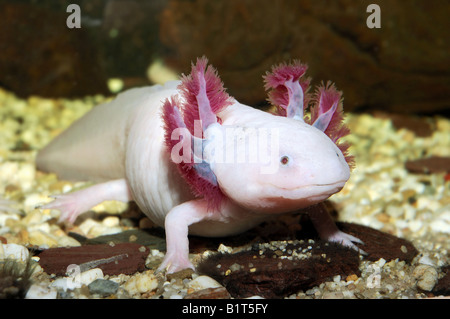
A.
pixel 67 241
pixel 38 291
pixel 5 216
pixel 156 253
pixel 380 262
pixel 203 282
pixel 441 223
pixel 426 260
pixel 77 279
pixel 258 297
pixel 14 251
pixel 111 221
pixel 86 277
pixel 426 276
pixel 224 249
pixel 141 282
pixel 65 283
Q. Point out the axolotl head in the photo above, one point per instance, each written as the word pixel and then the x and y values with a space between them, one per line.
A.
pixel 265 162
pixel 281 166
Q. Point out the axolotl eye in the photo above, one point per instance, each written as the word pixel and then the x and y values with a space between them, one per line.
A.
pixel 284 160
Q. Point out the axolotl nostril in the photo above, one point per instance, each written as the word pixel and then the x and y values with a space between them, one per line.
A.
pixel 197 161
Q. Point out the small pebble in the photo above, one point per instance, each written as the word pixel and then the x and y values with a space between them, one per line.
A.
pixel 141 283
pixel 182 274
pixel 103 287
pixel 64 284
pixel 426 260
pixel 426 276
pixel 203 282
pixel 13 251
pixel 38 291
pixel 42 239
pixel 86 277
pixel 332 295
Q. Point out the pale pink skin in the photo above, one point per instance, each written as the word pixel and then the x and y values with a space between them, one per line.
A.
pixel 120 145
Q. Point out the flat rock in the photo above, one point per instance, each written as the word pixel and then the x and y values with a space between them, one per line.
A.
pixel 430 165
pixel 379 244
pixel 270 273
pixel 136 236
pixel 103 287
pixel 274 273
pixel 125 258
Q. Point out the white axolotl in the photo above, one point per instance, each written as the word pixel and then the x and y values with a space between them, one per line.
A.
pixel 196 160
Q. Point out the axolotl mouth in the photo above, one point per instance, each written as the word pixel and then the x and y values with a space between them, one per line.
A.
pixel 278 200
pixel 333 187
pixel 325 190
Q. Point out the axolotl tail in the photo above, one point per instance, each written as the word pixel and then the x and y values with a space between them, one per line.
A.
pixel 93 147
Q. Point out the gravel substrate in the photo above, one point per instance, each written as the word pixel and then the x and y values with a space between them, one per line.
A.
pixel 384 193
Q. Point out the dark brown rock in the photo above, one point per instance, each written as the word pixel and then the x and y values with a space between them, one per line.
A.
pixel 379 244
pixel 402 67
pixel 265 272
pixel 137 236
pixel 420 126
pixel 126 258
pixel 430 165
pixel 271 274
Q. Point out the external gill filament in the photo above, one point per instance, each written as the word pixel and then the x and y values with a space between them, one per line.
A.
pixel 207 116
pixel 295 108
pixel 324 119
pixel 198 145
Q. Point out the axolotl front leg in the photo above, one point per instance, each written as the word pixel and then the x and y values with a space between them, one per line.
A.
pixel 176 225
pixel 73 204
pixel 327 229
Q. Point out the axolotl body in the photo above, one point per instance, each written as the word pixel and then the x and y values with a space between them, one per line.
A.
pixel 168 149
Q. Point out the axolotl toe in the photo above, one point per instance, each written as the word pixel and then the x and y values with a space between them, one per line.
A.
pixel 197 161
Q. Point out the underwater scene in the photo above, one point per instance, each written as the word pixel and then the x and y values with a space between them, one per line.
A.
pixel 173 149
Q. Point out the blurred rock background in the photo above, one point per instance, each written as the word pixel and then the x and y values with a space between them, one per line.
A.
pixel 403 67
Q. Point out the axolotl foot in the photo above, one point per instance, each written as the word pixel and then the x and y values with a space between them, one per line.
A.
pixel 328 230
pixel 174 262
pixel 346 240
pixel 68 205
pixel 71 205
